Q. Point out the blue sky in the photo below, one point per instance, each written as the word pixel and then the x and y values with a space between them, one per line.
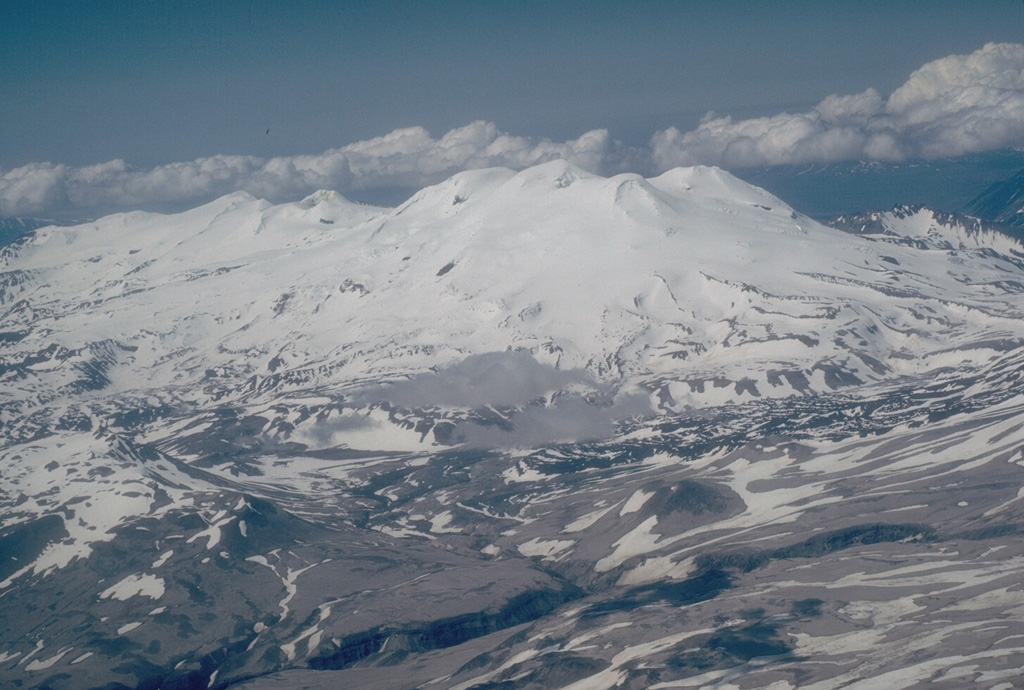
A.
pixel 154 83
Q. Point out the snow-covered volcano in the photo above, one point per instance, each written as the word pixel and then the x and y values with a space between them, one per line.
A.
pixel 692 284
pixel 250 439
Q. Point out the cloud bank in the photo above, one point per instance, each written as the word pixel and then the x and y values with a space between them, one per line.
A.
pixel 404 158
pixel 952 106
pixel 949 107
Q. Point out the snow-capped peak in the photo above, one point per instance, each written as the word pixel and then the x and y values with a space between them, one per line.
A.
pixel 668 283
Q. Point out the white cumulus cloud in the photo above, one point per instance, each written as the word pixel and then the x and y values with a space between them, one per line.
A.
pixel 952 106
pixel 404 158
pixel 32 188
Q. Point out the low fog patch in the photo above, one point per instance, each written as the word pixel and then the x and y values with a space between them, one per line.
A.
pixel 500 379
pixel 323 433
pixel 568 419
pixel 514 400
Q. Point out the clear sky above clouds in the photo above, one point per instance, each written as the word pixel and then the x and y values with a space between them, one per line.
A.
pixel 113 103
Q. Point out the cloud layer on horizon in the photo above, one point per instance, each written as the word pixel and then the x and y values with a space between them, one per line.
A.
pixel 408 158
pixel 952 106
pixel 949 107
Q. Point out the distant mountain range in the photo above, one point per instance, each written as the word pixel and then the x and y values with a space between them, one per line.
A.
pixel 1003 202
pixel 12 229
pixel 948 184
